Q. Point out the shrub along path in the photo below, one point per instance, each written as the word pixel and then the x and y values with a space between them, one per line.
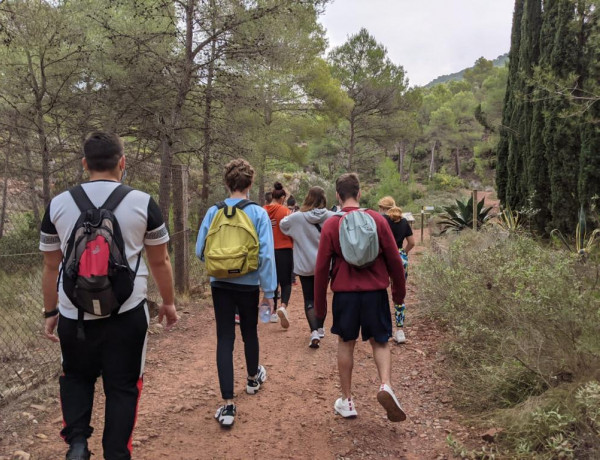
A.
pixel 291 416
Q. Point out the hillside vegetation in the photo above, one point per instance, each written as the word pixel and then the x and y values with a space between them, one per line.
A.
pixel 500 61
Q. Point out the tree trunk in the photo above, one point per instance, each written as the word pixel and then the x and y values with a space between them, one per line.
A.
pixel 168 132
pixel 412 156
pixel 431 164
pixel 43 142
pixel 180 225
pixel 261 178
pixel 4 188
pixel 164 187
pixel 31 176
pixel 352 144
pixel 457 161
pixel 401 149
pixel 208 100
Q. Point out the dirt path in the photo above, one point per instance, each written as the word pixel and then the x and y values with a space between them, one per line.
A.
pixel 291 416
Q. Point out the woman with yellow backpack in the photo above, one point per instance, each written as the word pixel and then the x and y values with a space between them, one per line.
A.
pixel 235 241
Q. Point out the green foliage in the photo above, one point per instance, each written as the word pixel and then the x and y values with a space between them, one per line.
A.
pixel 524 343
pixel 550 117
pixel 584 242
pixel 446 182
pixel 22 238
pixel 510 221
pixel 460 216
pixel 375 85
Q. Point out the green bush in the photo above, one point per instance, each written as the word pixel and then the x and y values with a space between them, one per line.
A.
pixel 446 182
pixel 524 322
pixel 22 238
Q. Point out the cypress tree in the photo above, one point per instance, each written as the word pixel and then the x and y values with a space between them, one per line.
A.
pixel 561 132
pixel 507 131
pixel 537 165
pixel 589 160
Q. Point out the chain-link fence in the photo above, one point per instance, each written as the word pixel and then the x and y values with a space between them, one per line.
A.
pixel 27 358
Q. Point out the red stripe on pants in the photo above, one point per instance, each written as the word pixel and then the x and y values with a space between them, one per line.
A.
pixel 140 385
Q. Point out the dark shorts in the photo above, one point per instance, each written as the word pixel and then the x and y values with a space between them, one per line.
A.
pixel 367 312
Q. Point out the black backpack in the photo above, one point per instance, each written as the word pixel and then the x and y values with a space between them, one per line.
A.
pixel 96 276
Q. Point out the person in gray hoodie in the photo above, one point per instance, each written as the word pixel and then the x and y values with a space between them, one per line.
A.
pixel 304 228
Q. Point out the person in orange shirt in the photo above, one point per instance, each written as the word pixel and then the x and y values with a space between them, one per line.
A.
pixel 284 259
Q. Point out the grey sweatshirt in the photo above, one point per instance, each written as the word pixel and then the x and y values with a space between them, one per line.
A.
pixel 301 227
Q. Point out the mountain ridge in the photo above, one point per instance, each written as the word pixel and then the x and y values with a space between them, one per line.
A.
pixel 500 61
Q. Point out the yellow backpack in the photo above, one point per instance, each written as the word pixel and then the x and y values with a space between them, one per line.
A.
pixel 231 245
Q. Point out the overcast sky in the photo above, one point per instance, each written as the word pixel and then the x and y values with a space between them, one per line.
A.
pixel 428 38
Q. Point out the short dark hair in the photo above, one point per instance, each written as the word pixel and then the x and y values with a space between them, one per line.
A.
pixel 238 175
pixel 347 186
pixel 102 151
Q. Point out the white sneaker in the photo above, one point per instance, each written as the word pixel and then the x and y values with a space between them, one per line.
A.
pixel 399 336
pixel 254 384
pixel 345 407
pixel 274 318
pixel 321 332
pixel 226 415
pixel 314 339
pixel 387 399
pixel 283 316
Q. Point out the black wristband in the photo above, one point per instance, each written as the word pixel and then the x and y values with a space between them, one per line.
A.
pixel 50 314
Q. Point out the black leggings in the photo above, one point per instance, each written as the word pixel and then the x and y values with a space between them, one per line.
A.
pixel 308 290
pixel 225 302
pixel 284 264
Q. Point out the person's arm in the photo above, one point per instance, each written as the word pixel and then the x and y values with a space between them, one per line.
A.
pixel 160 267
pixel 324 255
pixel 157 254
pixel 285 225
pixel 50 272
pixel 203 231
pixel 266 256
pixel 410 243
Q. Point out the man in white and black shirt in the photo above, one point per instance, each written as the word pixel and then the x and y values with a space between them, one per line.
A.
pixel 114 346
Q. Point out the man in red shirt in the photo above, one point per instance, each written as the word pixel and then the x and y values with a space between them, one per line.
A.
pixel 360 299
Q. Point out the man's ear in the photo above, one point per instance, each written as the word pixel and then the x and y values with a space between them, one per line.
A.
pixel 122 163
pixel 358 195
pixel 84 164
pixel 337 197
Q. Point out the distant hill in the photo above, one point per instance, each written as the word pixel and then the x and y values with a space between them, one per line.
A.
pixel 500 61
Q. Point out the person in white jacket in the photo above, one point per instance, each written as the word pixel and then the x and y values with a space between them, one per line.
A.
pixel 304 228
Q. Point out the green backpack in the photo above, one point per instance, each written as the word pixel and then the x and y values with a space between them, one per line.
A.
pixel 231 245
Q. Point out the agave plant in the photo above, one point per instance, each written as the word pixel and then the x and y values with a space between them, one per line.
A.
pixel 460 216
pixel 583 242
pixel 510 220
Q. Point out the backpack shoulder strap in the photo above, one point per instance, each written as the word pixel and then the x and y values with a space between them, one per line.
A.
pixel 81 199
pixel 116 197
pixel 220 205
pixel 243 203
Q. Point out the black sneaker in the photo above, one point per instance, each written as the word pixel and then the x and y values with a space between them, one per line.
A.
pixel 78 450
pixel 226 415
pixel 254 384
